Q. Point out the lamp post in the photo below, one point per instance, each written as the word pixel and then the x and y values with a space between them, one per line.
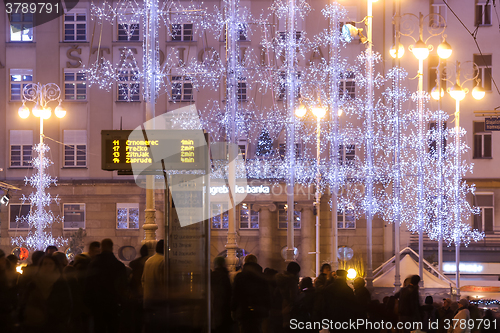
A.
pixel 41 95
pixel 318 112
pixel 458 92
pixel 421 50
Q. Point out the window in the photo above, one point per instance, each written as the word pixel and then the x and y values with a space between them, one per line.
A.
pixel 347 85
pixel 433 72
pixel 21 148
pixel 283 85
pixel 18 216
pixel 282 150
pixel 483 13
pixel 75 27
pixel 21 27
pixel 220 217
pixel 128 31
pixel 242 89
pixel 75 148
pixel 182 32
pixel 19 78
pixel 242 31
pixel 127 216
pixel 128 88
pixel 74 216
pixel 347 154
pixel 283 217
pixel 482 141
pixel 182 89
pixel 242 145
pixel 484 70
pixel 282 36
pixel 434 20
pixel 346 220
pixel 75 85
pixel 249 218
pixel 433 126
pixel 485 203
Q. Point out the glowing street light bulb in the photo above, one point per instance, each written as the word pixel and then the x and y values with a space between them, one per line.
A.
pixel 351 273
pixel 59 111
pixel 478 92
pixel 46 113
pixel 457 92
pixel 400 53
pixel 300 111
pixel 435 93
pixel 37 110
pixel 319 112
pixel 420 50
pixel 339 112
pixel 24 112
pixel 444 50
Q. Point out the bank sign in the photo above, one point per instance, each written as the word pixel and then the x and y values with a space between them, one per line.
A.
pixel 240 189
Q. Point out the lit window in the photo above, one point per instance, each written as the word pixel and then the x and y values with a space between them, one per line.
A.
pixel 283 217
pixel 484 64
pixel 74 216
pixel 434 62
pixel 483 13
pixel 75 148
pixel 182 32
pixel 484 220
pixel 346 220
pixel 21 148
pixel 19 79
pixel 21 27
pixel 249 218
pixel 482 141
pixel 75 27
pixel 242 145
pixel 75 85
pixel 347 86
pixel 18 215
pixel 220 217
pixel 127 216
pixel 128 86
pixel 182 89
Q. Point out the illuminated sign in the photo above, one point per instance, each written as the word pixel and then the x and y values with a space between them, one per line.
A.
pixel 240 189
pixel 178 149
pixel 464 267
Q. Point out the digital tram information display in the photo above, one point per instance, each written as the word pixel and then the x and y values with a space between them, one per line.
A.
pixel 179 149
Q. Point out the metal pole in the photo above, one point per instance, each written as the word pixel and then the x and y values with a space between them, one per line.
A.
pixel 397 157
pixel 290 144
pixel 439 147
pixel 318 194
pixel 150 63
pixel 40 190
pixel 369 146
pixel 420 172
pixel 457 189
pixel 231 106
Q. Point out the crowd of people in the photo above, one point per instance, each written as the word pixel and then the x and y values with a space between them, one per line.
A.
pixel 96 292
pixel 93 293
pixel 256 300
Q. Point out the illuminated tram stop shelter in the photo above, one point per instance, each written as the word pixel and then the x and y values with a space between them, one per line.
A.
pixel 179 161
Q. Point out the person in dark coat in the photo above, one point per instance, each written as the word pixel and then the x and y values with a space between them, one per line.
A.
pixel 444 313
pixel 429 314
pixel 46 303
pixel 221 297
pixel 363 297
pixel 134 306
pixel 304 305
pixel 105 289
pixel 288 287
pixel 8 296
pixel 409 301
pixel 250 299
pixel 340 302
pixel 325 277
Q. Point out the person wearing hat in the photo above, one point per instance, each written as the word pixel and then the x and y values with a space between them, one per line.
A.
pixel 461 316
